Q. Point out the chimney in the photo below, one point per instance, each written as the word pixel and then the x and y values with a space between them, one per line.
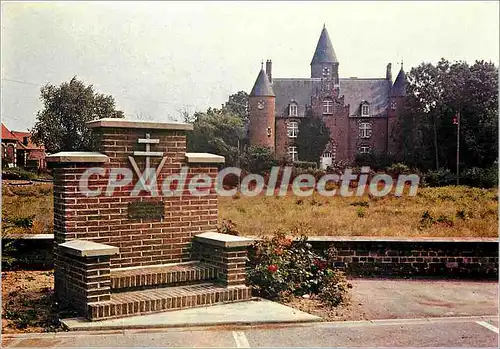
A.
pixel 388 73
pixel 269 70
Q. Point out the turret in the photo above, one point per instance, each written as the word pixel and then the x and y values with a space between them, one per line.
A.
pixel 261 126
pixel 399 87
pixel 324 63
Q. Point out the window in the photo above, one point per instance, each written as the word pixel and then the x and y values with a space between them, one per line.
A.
pixel 393 105
pixel 269 132
pixel 292 129
pixel 365 110
pixel 327 106
pixel 293 110
pixel 292 153
pixel 364 149
pixel 365 130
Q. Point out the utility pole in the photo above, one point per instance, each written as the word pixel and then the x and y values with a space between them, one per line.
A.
pixel 456 121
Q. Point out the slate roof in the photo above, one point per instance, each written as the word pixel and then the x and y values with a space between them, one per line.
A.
pixel 399 87
pixel 298 90
pixel 262 87
pixel 374 91
pixel 324 49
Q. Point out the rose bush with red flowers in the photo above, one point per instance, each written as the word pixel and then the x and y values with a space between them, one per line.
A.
pixel 280 267
pixel 273 268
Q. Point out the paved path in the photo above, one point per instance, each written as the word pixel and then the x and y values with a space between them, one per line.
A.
pixel 399 313
pixel 436 332
pixel 418 298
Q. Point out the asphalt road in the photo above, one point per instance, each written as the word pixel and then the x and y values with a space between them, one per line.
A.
pixel 470 331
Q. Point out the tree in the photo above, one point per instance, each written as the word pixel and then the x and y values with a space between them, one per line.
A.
pixel 257 159
pixel 216 132
pixel 238 105
pixel 312 139
pixel 60 125
pixel 435 95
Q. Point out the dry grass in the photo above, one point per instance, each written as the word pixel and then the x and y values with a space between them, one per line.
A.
pixel 31 204
pixel 456 212
pixel 28 303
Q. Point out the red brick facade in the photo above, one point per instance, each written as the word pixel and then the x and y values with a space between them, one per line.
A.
pixel 156 244
pixel 361 113
pixel 262 128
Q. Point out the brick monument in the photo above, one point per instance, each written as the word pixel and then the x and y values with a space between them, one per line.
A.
pixel 129 239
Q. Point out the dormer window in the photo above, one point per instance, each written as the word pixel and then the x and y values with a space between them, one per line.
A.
pixel 328 106
pixel 293 109
pixel 365 109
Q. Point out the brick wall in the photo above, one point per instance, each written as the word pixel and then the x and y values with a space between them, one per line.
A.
pixel 406 257
pixel 337 122
pixel 81 280
pixel 260 120
pixel 229 261
pixel 105 219
pixel 378 140
pixel 455 257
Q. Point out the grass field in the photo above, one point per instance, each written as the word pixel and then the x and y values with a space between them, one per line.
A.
pixel 445 211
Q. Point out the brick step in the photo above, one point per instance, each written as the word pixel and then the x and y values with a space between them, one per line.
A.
pixel 161 275
pixel 167 298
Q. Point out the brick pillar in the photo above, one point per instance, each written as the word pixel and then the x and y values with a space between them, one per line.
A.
pixel 83 274
pixel 227 253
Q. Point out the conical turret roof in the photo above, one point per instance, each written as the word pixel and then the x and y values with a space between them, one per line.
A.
pixel 262 86
pixel 324 50
pixel 399 87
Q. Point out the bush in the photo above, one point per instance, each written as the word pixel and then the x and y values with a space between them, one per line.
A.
pixel 280 268
pixel 397 169
pixel 376 161
pixel 335 289
pixel 257 159
pixel 440 177
pixel 305 164
pixel 17 173
pixel 228 227
pixel 480 177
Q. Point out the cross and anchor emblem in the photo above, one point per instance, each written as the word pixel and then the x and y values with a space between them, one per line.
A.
pixel 148 154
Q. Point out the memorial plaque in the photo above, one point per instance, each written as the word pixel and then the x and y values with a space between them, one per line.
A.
pixel 144 209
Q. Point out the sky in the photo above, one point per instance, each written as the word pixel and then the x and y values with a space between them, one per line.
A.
pixel 160 58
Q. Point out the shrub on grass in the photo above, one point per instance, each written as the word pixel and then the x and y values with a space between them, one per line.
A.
pixel 360 212
pixel 228 227
pixel 17 173
pixel 440 178
pixel 480 177
pixel 280 268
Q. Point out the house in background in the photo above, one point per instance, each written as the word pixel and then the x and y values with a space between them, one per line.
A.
pixel 19 151
pixel 361 113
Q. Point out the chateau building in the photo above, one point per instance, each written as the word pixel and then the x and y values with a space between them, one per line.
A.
pixel 360 113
